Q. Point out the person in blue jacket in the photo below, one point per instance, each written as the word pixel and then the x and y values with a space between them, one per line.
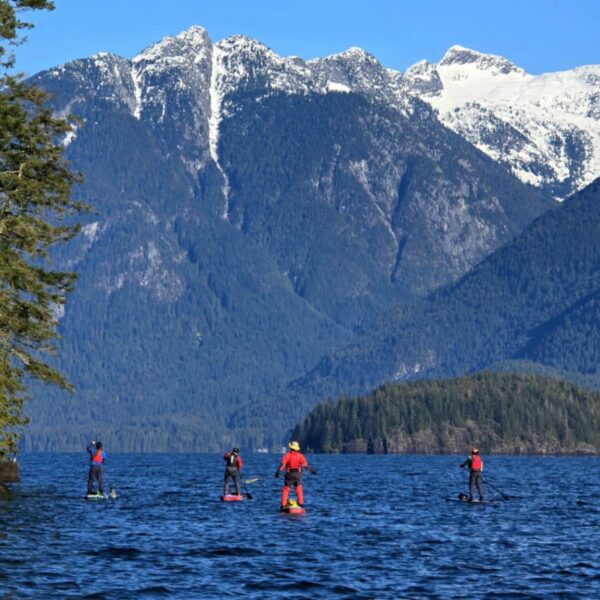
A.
pixel 97 458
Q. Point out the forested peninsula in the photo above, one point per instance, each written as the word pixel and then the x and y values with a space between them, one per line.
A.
pixel 500 413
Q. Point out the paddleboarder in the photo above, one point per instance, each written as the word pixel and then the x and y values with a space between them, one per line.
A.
pixel 475 466
pixel 97 459
pixel 293 462
pixel 233 466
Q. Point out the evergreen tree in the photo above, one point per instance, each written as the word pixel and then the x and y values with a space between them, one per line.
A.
pixel 35 206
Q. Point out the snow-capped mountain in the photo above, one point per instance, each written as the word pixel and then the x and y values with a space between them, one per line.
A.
pixel 185 88
pixel 546 128
pixel 254 213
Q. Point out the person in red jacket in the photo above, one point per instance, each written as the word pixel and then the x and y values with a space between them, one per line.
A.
pixel 233 466
pixel 97 459
pixel 293 462
pixel 475 465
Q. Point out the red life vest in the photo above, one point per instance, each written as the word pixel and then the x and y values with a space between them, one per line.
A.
pixel 476 463
pixel 97 457
pixel 294 460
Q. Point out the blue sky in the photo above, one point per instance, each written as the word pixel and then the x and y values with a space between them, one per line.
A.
pixel 538 35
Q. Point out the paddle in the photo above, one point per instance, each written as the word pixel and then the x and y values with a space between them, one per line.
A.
pixel 495 488
pixel 490 485
pixel 248 494
pixel 253 480
pixel 112 492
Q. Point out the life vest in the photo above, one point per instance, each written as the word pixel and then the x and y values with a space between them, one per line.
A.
pixel 476 463
pixel 232 461
pixel 97 457
pixel 294 461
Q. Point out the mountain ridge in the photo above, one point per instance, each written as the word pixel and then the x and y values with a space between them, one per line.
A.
pixel 545 128
pixel 244 232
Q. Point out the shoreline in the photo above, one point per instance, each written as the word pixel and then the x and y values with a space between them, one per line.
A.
pixel 9 473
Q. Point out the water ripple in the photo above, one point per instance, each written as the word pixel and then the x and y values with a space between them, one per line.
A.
pixel 389 533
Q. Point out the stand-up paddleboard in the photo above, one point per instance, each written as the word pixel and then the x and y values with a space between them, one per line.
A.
pixel 465 500
pixel 98 496
pixel 292 508
pixel 292 511
pixel 233 498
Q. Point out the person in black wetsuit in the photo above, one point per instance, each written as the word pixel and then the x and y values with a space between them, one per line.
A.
pixel 233 466
pixel 475 465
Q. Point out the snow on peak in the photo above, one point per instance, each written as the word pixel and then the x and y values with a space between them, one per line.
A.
pixel 358 71
pixel 242 44
pixel 195 32
pixel 353 55
pixel 102 55
pixel 423 78
pixel 247 64
pixel 191 42
pixel 357 53
pixel 184 60
pixel 459 55
pixel 546 128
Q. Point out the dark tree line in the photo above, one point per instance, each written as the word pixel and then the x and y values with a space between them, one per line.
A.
pixel 499 412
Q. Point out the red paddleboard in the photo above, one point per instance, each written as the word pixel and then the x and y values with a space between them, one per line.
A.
pixel 233 498
pixel 292 510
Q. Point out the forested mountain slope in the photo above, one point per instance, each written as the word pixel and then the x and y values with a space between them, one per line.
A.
pixel 532 304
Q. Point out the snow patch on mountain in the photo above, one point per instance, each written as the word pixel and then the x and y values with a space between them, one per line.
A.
pixel 217 93
pixel 145 267
pixel 90 231
pixel 546 128
pixel 333 86
pixel 137 91
pixel 405 371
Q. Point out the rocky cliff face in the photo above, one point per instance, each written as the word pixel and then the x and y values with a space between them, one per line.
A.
pixel 454 440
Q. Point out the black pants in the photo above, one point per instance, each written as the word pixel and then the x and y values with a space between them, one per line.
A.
pixel 95 474
pixel 475 480
pixel 235 475
pixel 293 478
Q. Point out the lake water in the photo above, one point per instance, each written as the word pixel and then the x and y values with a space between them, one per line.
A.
pixel 376 527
